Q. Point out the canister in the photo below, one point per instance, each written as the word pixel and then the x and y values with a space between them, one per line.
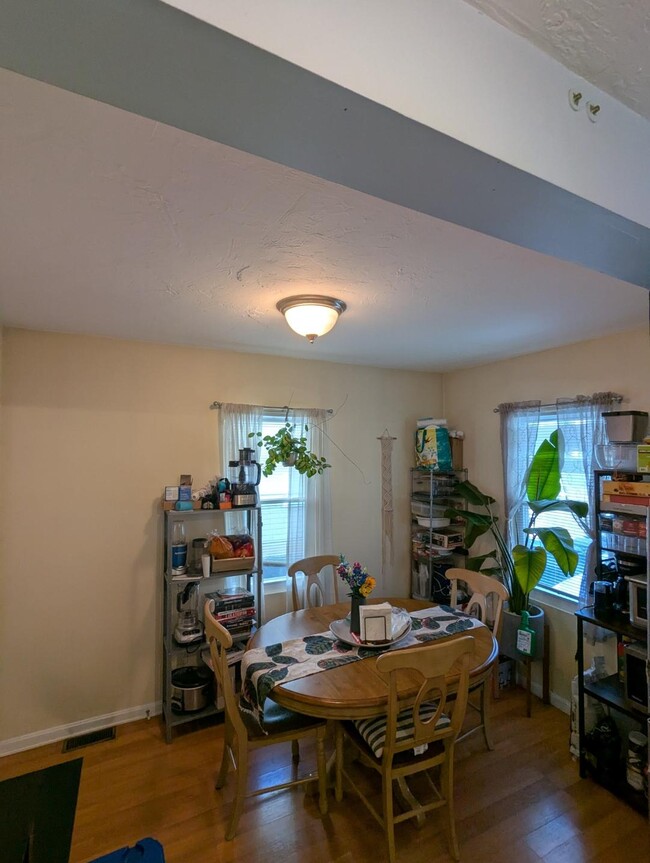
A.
pixel 637 759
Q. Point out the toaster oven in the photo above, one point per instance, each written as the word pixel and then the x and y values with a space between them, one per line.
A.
pixel 638 600
pixel 636 682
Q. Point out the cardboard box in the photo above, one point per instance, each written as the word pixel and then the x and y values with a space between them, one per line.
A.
pixel 447 537
pixel 631 489
pixel 633 500
pixel 456 452
pixel 643 458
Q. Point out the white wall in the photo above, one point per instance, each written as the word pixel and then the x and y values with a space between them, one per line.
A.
pixel 93 430
pixel 452 68
pixel 620 363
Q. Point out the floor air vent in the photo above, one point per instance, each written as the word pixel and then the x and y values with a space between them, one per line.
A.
pixel 87 739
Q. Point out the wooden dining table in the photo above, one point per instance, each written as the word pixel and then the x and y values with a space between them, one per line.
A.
pixel 355 690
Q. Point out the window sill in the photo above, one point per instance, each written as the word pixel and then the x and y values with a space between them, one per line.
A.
pixel 274 585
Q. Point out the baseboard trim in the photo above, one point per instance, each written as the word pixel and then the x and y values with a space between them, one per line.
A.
pixel 61 732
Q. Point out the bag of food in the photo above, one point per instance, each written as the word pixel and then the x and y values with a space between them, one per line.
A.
pixel 220 546
pixel 242 544
pixel 432 449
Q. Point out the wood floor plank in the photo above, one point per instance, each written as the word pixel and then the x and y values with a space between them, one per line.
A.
pixel 521 803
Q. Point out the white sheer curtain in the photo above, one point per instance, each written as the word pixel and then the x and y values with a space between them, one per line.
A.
pixel 585 435
pixel 236 421
pixel 519 426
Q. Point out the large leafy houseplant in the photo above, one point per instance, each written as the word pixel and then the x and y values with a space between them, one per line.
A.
pixel 522 566
pixel 286 447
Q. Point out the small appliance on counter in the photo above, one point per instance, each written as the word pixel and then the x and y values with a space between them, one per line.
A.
pixel 190 688
pixel 245 475
pixel 188 627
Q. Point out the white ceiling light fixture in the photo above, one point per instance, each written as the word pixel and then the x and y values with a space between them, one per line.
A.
pixel 310 315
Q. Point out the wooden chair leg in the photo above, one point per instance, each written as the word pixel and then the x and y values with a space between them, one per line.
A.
pixel 338 761
pixel 321 762
pixel 295 751
pixel 447 789
pixel 225 758
pixel 242 779
pixel 486 718
pixel 389 824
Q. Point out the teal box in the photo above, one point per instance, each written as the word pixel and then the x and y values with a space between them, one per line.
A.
pixel 185 492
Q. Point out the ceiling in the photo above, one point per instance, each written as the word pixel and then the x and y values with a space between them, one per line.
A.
pixel 117 225
pixel 607 42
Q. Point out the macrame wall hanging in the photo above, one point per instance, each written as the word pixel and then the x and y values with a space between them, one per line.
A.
pixel 386 503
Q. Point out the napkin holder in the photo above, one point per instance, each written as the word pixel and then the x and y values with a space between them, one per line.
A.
pixel 376 623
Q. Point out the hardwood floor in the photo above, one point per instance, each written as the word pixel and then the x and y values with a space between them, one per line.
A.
pixel 523 802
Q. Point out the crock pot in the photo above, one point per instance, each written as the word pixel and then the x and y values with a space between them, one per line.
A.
pixel 190 688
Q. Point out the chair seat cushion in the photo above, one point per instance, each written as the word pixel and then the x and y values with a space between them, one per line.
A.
pixel 373 731
pixel 278 719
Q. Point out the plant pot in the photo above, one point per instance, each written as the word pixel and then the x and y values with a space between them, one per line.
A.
pixel 290 461
pixel 510 623
pixel 355 603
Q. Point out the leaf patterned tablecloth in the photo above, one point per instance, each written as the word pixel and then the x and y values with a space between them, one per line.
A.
pixel 265 667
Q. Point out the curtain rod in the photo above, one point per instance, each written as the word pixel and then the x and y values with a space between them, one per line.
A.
pixel 613 398
pixel 215 406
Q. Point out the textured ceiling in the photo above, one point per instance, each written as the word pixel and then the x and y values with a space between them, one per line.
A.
pixel 113 224
pixel 606 42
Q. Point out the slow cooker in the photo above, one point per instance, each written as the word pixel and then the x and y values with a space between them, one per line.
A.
pixel 191 686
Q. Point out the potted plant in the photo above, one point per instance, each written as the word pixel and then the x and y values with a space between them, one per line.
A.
pixel 285 447
pixel 522 567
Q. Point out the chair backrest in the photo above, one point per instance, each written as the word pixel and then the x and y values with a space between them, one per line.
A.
pixel 432 664
pixel 313 593
pixel 220 640
pixel 482 587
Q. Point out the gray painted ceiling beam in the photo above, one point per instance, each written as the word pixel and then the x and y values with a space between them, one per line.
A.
pixel 153 60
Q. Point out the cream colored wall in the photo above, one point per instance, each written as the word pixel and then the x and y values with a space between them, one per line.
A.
pixel 92 431
pixel 620 363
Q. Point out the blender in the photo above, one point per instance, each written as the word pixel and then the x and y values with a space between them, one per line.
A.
pixel 245 474
pixel 188 627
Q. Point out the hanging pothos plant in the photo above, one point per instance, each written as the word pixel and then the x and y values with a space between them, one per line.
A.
pixel 284 447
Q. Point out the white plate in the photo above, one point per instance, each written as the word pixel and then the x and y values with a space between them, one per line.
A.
pixel 433 522
pixel 401 626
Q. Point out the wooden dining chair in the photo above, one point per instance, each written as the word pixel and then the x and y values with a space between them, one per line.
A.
pixel 487 597
pixel 242 733
pixel 314 591
pixel 416 739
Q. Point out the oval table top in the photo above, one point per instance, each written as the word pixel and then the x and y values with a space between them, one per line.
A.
pixel 356 690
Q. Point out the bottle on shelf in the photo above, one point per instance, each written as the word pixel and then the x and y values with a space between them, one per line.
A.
pixel 179 548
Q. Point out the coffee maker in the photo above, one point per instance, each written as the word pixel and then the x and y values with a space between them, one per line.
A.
pixel 188 627
pixel 245 474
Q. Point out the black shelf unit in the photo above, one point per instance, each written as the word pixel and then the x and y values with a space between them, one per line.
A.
pixel 610 691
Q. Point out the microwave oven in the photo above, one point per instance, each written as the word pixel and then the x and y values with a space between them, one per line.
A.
pixel 636 682
pixel 638 600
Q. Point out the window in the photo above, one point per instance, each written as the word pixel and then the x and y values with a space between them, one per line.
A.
pixel 296 510
pixel 574 487
pixel 284 506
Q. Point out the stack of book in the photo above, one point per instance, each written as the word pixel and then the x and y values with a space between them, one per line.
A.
pixel 234 608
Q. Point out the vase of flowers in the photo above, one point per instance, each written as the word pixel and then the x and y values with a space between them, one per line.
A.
pixel 360 584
